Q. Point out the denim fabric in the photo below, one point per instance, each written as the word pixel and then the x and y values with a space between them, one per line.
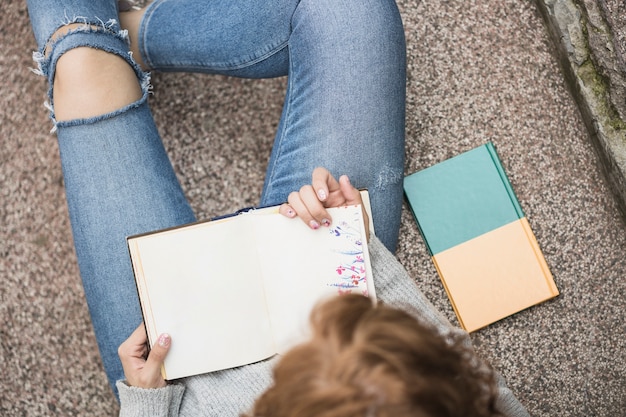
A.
pixel 345 102
pixel 119 182
pixel 344 110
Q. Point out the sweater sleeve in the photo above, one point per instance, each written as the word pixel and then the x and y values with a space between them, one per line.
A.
pixel 159 402
pixel 395 286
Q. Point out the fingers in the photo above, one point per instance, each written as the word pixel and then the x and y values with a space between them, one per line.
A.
pixel 306 205
pixel 138 337
pixel 134 347
pixel 311 201
pixel 333 193
pixel 141 371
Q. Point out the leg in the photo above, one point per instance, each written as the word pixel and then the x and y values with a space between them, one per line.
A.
pixel 345 101
pixel 345 104
pixel 118 178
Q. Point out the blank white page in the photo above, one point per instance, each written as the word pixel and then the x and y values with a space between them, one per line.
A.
pixel 204 289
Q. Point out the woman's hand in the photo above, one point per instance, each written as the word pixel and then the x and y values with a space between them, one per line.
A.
pixel 143 370
pixel 325 191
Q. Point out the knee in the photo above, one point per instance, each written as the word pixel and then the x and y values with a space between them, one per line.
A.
pixel 379 18
pixel 90 82
pixel 90 70
pixel 367 18
pixel 370 27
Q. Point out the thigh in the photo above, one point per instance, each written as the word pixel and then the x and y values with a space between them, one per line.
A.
pixel 246 38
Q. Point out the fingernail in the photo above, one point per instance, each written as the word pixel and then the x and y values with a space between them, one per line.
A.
pixel 314 225
pixel 164 340
pixel 321 194
pixel 291 213
pixel 326 222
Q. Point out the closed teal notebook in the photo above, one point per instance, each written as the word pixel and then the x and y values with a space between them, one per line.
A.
pixel 485 253
pixel 467 196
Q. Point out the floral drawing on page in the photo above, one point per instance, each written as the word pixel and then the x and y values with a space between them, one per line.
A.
pixel 350 272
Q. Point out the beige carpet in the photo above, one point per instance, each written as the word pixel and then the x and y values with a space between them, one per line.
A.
pixel 478 71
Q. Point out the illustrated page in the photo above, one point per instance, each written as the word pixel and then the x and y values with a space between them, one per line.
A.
pixel 303 266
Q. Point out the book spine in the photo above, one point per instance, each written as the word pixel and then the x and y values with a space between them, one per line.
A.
pixel 532 240
pixel 449 294
pixel 505 179
pixel 419 226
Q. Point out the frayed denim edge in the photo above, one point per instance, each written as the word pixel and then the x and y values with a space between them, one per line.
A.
pixel 46 65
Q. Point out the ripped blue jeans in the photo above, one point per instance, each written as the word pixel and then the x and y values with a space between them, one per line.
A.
pixel 344 110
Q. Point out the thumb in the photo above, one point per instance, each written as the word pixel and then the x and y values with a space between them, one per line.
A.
pixel 157 355
pixel 351 194
pixel 160 349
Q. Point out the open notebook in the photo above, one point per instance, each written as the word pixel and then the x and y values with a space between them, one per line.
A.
pixel 240 289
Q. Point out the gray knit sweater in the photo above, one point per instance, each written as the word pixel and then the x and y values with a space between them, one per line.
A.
pixel 231 392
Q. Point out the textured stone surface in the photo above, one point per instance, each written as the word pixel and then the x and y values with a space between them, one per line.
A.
pixel 589 38
pixel 477 71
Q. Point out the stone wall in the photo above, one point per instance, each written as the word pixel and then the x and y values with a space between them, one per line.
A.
pixel 589 38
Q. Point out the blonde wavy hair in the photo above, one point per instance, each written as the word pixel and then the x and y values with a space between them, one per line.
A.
pixel 377 361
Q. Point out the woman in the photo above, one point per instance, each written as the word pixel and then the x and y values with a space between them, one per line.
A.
pixel 344 109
